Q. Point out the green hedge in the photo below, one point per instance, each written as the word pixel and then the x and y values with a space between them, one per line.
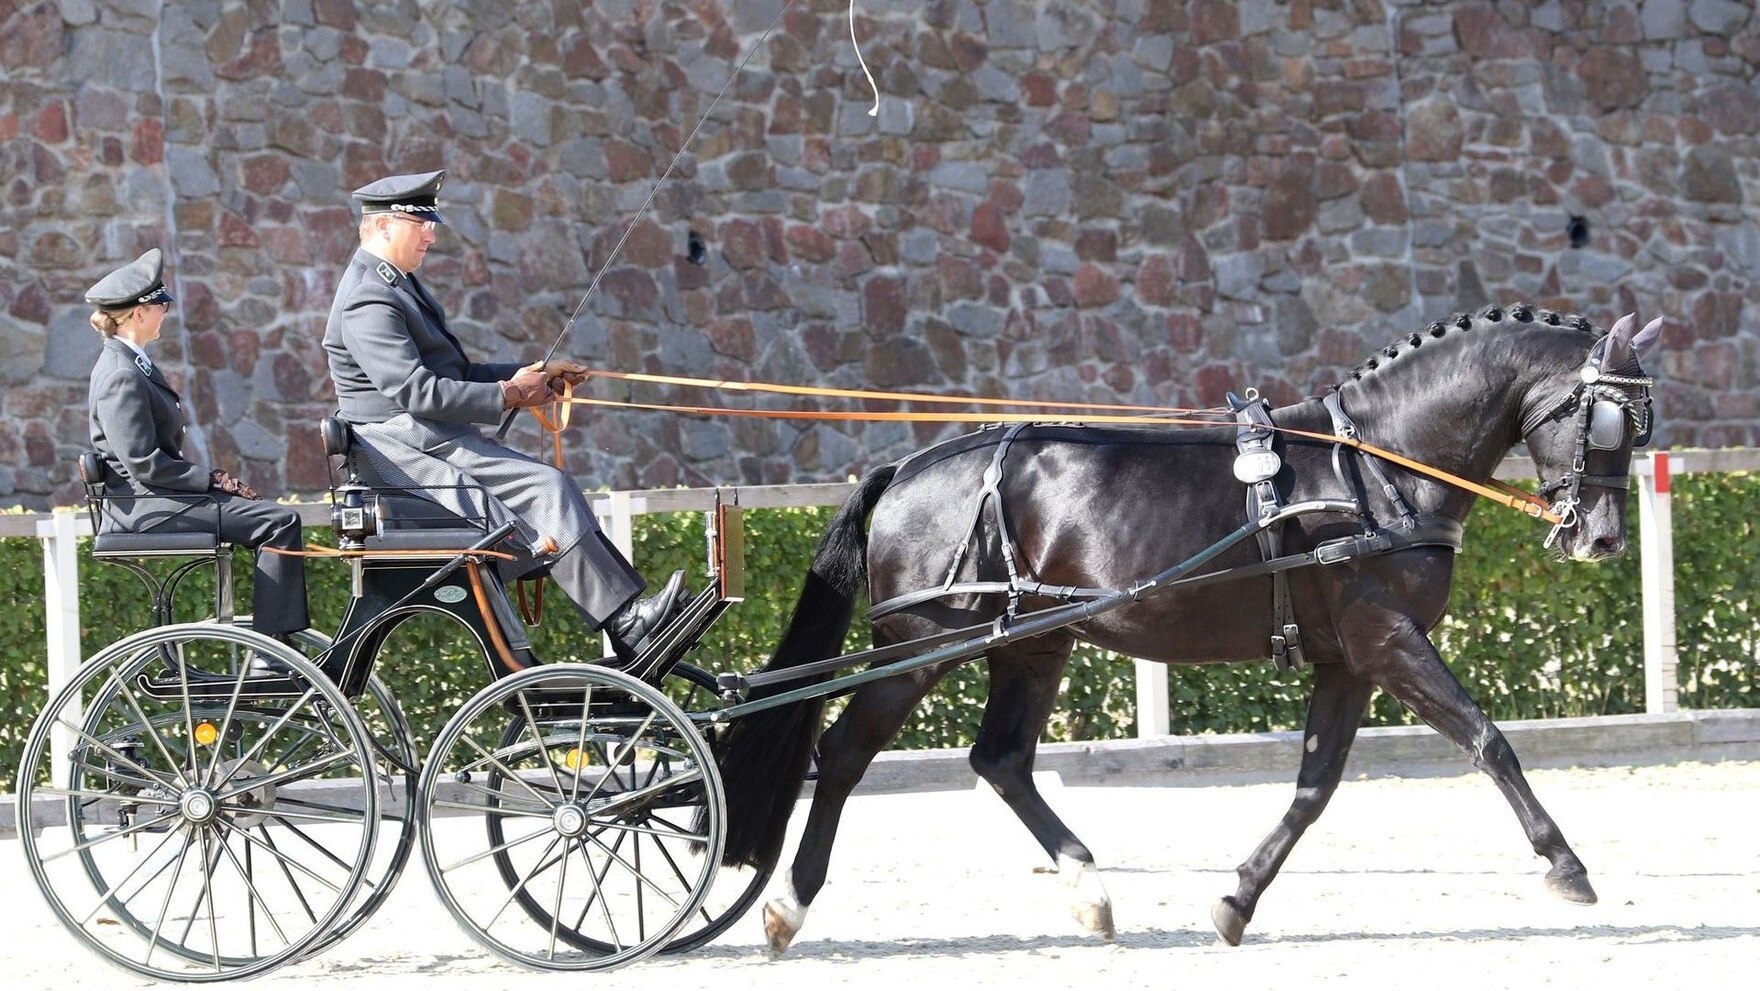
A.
pixel 1531 637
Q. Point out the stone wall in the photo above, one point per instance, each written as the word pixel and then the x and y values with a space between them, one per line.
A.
pixel 1139 200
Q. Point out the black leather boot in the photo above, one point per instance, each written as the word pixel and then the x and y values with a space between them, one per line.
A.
pixel 630 626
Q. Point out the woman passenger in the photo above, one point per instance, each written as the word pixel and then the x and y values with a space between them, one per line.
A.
pixel 137 425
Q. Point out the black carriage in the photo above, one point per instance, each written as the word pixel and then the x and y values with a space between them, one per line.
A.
pixel 233 804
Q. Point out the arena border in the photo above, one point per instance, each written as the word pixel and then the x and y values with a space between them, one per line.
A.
pixel 1255 758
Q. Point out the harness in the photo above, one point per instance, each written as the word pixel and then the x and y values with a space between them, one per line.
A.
pixel 1256 465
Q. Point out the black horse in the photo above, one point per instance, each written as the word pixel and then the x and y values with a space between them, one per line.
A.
pixel 1104 507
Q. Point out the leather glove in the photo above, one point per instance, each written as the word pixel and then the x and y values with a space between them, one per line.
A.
pixel 528 387
pixel 225 482
pixel 564 371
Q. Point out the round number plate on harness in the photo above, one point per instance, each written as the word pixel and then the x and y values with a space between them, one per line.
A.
pixel 1256 466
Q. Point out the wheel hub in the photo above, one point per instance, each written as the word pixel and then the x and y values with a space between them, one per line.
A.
pixel 198 806
pixel 569 820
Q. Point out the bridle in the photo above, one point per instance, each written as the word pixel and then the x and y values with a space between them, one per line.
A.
pixel 1602 404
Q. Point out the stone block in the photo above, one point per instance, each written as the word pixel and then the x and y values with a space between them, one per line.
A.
pixel 1433 131
pixel 1237 275
pixel 1720 18
pixel 1709 176
pixel 1613 77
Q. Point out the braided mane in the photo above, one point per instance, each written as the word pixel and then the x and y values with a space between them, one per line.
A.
pixel 1460 323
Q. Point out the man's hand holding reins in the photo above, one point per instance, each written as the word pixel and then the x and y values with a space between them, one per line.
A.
pixel 564 372
pixel 529 386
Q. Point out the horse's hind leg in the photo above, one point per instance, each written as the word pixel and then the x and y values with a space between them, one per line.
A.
pixel 1334 712
pixel 1406 665
pixel 1024 683
pixel 873 717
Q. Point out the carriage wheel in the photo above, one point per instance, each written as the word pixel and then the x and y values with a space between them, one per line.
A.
pixel 399 766
pixel 735 889
pixel 217 826
pixel 586 860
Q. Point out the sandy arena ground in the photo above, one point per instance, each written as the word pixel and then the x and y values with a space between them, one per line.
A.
pixel 1404 883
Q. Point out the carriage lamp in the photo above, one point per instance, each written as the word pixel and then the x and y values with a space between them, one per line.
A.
pixel 353 516
pixel 206 733
pixel 576 759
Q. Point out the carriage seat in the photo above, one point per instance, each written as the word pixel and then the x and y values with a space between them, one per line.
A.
pixel 111 544
pixel 406 521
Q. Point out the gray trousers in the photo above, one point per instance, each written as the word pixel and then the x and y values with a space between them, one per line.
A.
pixel 279 592
pixel 458 468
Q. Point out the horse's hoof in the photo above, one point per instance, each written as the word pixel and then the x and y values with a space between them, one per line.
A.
pixel 779 929
pixel 1096 918
pixel 1573 886
pixel 1230 924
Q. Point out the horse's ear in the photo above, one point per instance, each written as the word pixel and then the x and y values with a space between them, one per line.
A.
pixel 1647 338
pixel 1619 343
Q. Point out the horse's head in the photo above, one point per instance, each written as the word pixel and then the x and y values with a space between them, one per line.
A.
pixel 1581 425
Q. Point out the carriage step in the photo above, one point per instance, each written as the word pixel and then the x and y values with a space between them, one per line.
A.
pixel 210 686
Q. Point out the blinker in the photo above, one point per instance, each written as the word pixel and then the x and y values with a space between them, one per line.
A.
pixel 1607 425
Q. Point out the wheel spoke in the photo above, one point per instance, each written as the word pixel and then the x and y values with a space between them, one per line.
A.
pixel 629 798
pixel 101 796
pixel 299 893
pixel 499 848
pixel 580 746
pixel 125 831
pixel 513 893
pixel 104 899
pixel 151 730
pixel 257 748
pixel 538 739
pixel 226 721
pixel 634 871
pixel 177 785
pixel 287 860
pixel 279 777
pixel 496 763
pixel 628 750
pixel 165 906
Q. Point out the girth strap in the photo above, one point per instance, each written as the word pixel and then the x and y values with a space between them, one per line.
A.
pixel 1257 465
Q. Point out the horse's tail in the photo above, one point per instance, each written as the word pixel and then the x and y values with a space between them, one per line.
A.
pixel 764 755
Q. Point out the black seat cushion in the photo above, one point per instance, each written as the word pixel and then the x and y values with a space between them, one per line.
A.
pixel 422 539
pixel 154 544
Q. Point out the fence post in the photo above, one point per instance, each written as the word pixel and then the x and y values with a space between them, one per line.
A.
pixel 1656 546
pixel 60 537
pixel 1153 718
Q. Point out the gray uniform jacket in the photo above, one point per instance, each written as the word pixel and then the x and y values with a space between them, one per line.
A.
pixel 137 427
pixel 413 396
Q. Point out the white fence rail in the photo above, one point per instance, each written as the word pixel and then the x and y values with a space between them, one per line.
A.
pixel 60 531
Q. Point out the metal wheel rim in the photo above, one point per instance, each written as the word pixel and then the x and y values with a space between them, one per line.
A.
pixel 110 675
pixel 546 880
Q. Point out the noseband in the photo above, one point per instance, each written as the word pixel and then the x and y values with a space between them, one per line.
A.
pixel 1602 405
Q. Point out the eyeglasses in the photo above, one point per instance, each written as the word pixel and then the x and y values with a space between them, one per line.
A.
pixel 427 226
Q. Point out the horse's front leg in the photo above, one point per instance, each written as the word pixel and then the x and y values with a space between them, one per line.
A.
pixel 1393 651
pixel 873 717
pixel 1335 710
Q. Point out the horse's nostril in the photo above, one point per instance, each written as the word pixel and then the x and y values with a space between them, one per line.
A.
pixel 1610 545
